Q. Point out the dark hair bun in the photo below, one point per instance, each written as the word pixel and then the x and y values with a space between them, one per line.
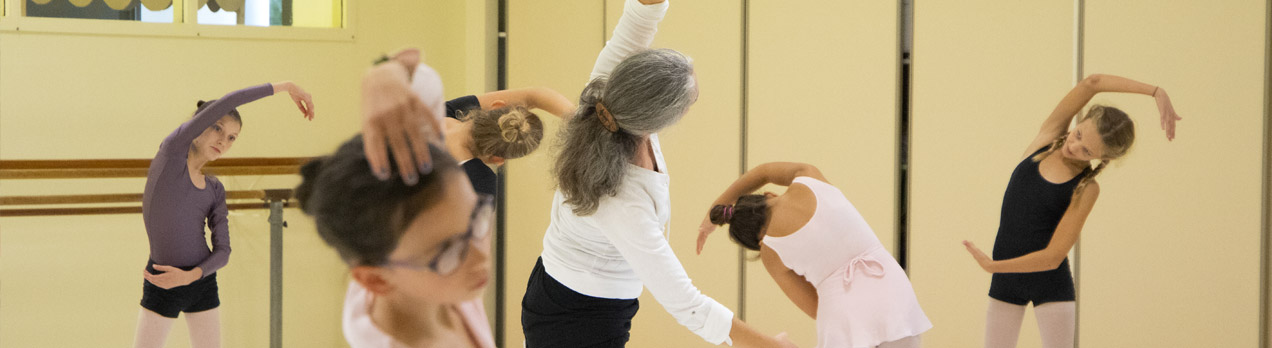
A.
pixel 199 104
pixel 309 174
pixel 717 215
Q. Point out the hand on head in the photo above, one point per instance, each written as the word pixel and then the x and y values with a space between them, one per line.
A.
pixel 392 113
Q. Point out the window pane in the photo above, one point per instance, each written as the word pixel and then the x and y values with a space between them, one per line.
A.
pixel 97 9
pixel 264 13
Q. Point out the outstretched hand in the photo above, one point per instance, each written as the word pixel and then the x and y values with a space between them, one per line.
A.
pixel 704 230
pixel 303 100
pixel 981 259
pixel 1169 117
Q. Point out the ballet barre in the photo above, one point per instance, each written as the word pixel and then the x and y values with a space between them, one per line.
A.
pixel 273 199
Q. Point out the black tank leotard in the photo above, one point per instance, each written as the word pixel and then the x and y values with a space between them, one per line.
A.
pixel 1032 208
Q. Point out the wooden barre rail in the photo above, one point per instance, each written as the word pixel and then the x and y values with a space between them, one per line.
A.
pixel 133 168
pixel 136 168
pixel 107 198
pixel 116 210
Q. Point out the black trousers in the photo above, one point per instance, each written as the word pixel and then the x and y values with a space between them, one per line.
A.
pixel 553 315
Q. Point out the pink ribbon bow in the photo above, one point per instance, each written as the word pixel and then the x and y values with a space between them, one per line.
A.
pixel 866 263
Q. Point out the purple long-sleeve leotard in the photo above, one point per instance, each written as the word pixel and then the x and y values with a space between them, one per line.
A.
pixel 174 210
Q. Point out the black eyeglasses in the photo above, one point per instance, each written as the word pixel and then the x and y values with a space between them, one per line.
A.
pixel 452 251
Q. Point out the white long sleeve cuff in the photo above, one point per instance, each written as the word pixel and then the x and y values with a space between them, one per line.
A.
pixel 634 32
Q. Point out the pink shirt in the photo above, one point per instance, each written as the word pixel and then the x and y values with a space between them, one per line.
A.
pixel 360 332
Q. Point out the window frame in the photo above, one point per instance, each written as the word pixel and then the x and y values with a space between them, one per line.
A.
pixel 184 24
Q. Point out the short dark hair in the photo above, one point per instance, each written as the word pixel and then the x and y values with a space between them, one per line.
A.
pixel 359 215
pixel 199 106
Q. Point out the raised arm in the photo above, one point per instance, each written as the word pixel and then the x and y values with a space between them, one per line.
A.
pixel 1057 123
pixel 779 173
pixel 542 98
pixel 796 288
pixel 634 32
pixel 1062 241
pixel 178 143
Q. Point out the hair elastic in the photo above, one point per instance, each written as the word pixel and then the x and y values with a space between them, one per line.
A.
pixel 607 119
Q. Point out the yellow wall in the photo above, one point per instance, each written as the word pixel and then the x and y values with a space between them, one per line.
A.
pixel 77 96
pixel 824 72
pixel 985 75
pixel 1172 248
pixel 822 86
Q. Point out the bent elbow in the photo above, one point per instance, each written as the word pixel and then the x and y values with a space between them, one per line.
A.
pixel 1091 81
pixel 1055 261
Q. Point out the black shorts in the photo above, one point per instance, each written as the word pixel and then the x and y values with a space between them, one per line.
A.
pixel 1039 287
pixel 553 315
pixel 201 295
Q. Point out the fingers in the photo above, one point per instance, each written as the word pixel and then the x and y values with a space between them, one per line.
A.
pixel 373 148
pixel 163 281
pixel 301 105
pixel 409 57
pixel 702 240
pixel 401 151
pixel 305 103
pixel 165 268
pixel 421 127
pixel 971 248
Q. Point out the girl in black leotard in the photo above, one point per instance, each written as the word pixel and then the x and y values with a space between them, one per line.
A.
pixel 1048 198
pixel 490 128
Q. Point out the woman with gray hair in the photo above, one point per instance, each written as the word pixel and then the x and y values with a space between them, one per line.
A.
pixel 605 242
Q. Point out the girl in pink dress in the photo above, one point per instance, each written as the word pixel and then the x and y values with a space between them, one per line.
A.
pixel 823 255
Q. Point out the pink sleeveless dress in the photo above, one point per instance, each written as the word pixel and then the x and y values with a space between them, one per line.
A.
pixel 863 296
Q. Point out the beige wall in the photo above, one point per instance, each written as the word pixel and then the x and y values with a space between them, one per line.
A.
pixel 1170 256
pixel 822 89
pixel 77 96
pixel 552 44
pixel 985 75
